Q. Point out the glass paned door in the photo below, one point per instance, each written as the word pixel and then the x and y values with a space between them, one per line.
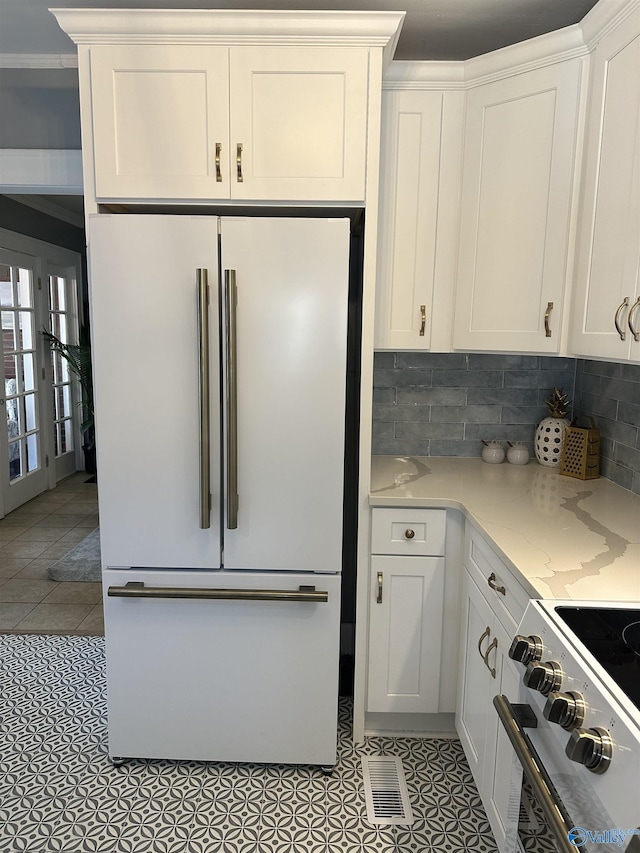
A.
pixel 22 460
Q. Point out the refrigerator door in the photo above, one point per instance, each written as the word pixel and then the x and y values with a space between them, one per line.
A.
pixel 289 338
pixel 146 354
pixel 196 676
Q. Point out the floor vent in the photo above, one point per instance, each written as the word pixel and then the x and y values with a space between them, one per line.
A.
pixel 385 790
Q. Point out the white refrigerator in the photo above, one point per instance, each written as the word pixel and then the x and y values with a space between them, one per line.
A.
pixel 219 349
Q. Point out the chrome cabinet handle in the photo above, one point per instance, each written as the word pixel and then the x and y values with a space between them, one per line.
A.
pixel 547 314
pixel 202 281
pixel 484 635
pixel 218 167
pixel 239 177
pixel 379 596
pixel 616 319
pixel 492 645
pixel 556 817
pixel 635 332
pixel 423 319
pixel 137 589
pixel 409 533
pixel 491 580
pixel 231 302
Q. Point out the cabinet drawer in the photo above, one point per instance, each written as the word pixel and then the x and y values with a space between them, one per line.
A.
pixel 503 592
pixel 420 532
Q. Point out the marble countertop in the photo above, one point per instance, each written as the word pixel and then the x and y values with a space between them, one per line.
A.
pixel 565 538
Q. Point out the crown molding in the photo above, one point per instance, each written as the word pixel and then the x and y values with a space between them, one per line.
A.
pixel 238 27
pixel 604 17
pixel 420 75
pixel 38 60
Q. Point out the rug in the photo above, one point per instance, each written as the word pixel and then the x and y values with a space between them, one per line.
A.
pixel 82 563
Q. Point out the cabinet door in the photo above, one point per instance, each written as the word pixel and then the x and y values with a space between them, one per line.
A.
pixel 476 682
pixel 298 123
pixel 607 271
pixel 409 181
pixel 160 121
pixel 516 202
pixel 405 633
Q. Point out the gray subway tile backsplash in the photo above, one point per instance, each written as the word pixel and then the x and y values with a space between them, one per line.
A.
pixel 444 404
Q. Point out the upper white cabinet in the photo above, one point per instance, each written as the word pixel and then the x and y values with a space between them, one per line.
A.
pixel 606 308
pixel 519 167
pixel 250 123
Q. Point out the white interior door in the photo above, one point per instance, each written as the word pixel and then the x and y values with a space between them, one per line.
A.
pixel 22 458
pixel 292 288
pixel 146 356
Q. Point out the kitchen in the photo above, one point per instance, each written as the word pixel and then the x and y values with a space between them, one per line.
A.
pixel 443 258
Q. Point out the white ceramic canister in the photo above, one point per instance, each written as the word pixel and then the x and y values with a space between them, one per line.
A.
pixel 518 453
pixel 492 452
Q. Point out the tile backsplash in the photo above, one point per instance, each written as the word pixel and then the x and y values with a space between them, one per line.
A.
pixel 444 404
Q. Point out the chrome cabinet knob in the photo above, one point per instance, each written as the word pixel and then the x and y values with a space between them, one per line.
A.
pixel 592 748
pixel 544 677
pixel 565 709
pixel 526 649
pixel 409 533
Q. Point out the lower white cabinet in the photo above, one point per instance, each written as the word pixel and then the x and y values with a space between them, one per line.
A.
pixel 405 633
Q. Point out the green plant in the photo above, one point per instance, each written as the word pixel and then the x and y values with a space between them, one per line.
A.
pixel 558 404
pixel 78 358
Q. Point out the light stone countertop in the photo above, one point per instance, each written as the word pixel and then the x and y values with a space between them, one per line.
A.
pixel 565 538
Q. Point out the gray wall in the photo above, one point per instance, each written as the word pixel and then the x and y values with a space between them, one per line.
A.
pixel 444 404
pixel 40 108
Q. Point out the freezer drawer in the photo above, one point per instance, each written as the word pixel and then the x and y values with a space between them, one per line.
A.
pixel 222 679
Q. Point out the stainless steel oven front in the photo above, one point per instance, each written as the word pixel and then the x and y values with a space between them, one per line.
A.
pixel 575 733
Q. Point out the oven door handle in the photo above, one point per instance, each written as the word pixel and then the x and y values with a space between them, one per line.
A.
pixel 535 774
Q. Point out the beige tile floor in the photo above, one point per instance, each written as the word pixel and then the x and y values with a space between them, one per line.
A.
pixel 32 538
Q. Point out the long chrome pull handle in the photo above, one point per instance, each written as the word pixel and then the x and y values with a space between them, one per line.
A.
pixel 379 596
pixel 491 580
pixel 231 302
pixel 423 319
pixel 485 634
pixel 239 163
pixel 492 645
pixel 616 319
pixel 137 589
pixel 555 816
pixel 547 314
pixel 218 166
pixel 632 311
pixel 202 281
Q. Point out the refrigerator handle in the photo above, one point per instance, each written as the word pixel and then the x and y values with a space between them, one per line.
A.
pixel 231 301
pixel 202 279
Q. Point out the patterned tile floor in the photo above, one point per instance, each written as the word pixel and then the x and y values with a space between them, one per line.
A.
pixel 60 794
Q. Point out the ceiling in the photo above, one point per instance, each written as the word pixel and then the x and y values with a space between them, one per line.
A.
pixel 433 29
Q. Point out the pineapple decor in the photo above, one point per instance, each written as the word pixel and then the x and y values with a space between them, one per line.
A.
pixel 550 432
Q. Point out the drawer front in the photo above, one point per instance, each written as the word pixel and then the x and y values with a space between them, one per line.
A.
pixel 503 592
pixel 420 532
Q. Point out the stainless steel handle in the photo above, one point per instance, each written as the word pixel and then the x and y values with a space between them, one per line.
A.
pixel 379 596
pixel 492 645
pixel 423 319
pixel 485 634
pixel 231 302
pixel 218 167
pixel 635 332
pixel 239 163
pixel 616 319
pixel 491 580
pixel 555 815
pixel 547 314
pixel 137 589
pixel 202 281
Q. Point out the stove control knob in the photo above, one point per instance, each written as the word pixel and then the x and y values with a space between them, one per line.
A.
pixel 591 747
pixel 545 677
pixel 565 709
pixel 526 649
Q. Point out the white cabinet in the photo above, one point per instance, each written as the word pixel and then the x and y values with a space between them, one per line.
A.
pixel 493 603
pixel 519 165
pixel 241 122
pixel 406 610
pixel 606 308
pixel 417 226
